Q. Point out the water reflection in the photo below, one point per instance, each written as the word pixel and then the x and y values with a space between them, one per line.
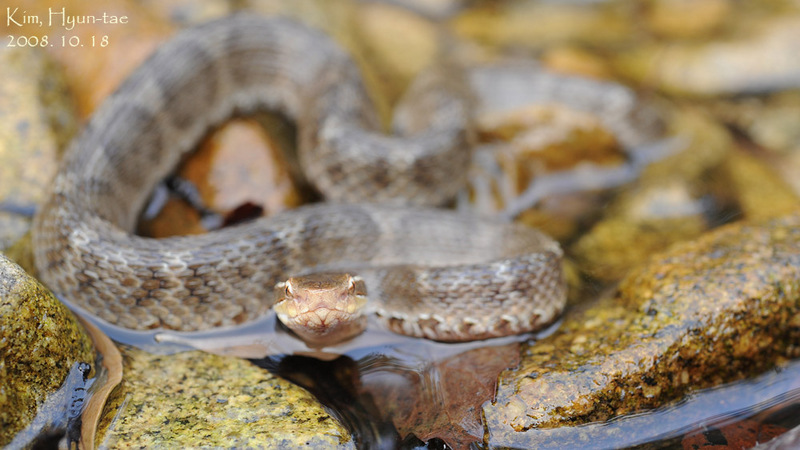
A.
pixel 394 391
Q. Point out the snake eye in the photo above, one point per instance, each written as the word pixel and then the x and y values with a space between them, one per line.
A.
pixel 289 290
pixel 353 285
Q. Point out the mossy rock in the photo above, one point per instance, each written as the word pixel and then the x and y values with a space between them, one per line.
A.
pixel 40 340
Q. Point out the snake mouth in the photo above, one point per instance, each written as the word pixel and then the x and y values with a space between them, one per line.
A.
pixel 323 327
pixel 320 320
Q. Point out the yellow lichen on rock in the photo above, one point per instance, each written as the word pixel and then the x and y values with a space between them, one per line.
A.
pixel 195 399
pixel 39 341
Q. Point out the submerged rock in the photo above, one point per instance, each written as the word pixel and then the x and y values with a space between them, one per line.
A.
pixel 40 341
pixel 720 308
pixel 195 399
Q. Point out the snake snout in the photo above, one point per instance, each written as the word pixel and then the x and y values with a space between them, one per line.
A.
pixel 322 309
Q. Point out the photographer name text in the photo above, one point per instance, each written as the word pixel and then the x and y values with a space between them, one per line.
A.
pixel 56 17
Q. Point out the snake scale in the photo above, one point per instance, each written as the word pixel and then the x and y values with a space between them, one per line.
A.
pixel 430 272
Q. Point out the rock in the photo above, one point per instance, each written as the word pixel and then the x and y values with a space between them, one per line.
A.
pixel 616 245
pixel 686 18
pixel 770 124
pixel 550 137
pixel 36 121
pixel 720 308
pixel 705 411
pixel 768 120
pixel 435 9
pixel 242 163
pixel 396 45
pixel 761 59
pixel 195 399
pixel 573 60
pixel 39 341
pixel 758 193
pixel 553 142
pixel 538 24
pixel 238 164
pixel 669 203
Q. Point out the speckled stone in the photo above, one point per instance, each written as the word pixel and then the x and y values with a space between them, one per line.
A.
pixel 720 308
pixel 36 121
pixel 39 342
pixel 196 399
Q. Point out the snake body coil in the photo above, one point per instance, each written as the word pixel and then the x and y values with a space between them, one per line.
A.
pixel 431 273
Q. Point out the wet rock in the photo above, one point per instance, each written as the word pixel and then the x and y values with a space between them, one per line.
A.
pixel 701 411
pixel 194 399
pixel 60 414
pixel 437 9
pixel 39 341
pixel 529 143
pixel 532 142
pixel 761 59
pixel 36 121
pixel 646 219
pixel 720 308
pixel 758 192
pixel 396 44
pixel 509 24
pixel 686 18
pixel 570 59
pixel 243 162
pixel 769 121
pixel 669 203
pixel 554 142
pixel 550 137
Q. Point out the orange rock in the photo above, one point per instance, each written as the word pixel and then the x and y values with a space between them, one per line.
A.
pixel 239 164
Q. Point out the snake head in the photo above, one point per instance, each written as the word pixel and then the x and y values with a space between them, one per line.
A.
pixel 322 309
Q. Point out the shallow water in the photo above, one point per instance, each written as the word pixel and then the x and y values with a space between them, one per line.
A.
pixel 374 382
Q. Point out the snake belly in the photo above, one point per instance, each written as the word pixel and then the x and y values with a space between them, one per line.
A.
pixel 430 272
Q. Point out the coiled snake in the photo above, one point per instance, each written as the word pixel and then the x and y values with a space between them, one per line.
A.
pixel 430 272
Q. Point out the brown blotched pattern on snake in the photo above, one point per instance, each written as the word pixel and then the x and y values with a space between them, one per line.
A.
pixel 431 273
